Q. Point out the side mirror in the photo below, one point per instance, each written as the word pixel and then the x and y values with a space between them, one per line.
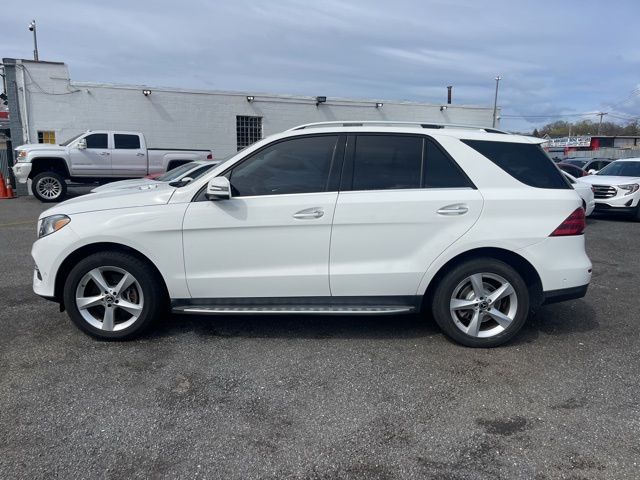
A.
pixel 593 171
pixel 185 180
pixel 218 188
pixel 82 144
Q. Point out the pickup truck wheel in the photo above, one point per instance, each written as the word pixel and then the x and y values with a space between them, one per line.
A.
pixel 481 303
pixel 113 296
pixel 48 187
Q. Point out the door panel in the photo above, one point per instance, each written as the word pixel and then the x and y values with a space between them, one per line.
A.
pixel 95 160
pixel 271 239
pixel 128 157
pixel 264 246
pixel 403 201
pixel 383 241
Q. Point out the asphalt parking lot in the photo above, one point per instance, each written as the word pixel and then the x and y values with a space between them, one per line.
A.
pixel 322 397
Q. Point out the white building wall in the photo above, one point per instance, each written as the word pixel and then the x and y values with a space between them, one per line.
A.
pixel 175 118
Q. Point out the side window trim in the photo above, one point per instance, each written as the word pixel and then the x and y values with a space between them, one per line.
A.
pixel 346 184
pixel 115 144
pixel 108 135
pixel 337 160
pixel 452 161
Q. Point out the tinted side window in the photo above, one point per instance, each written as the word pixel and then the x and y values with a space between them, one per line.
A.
pixel 97 140
pixel 440 171
pixel 523 161
pixel 123 141
pixel 383 162
pixel 299 165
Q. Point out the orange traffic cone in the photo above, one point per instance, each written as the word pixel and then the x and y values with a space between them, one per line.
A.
pixel 10 192
pixel 3 187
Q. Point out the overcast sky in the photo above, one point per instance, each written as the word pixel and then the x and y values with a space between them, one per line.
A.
pixel 555 57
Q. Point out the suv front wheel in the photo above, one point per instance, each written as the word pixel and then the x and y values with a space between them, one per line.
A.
pixel 113 295
pixel 481 303
pixel 48 187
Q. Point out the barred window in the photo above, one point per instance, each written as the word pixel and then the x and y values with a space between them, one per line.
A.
pixel 248 130
pixel 47 136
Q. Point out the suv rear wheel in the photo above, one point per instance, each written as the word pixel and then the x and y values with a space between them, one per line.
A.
pixel 48 187
pixel 481 303
pixel 113 295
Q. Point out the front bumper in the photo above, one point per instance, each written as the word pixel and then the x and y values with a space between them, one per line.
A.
pixel 48 254
pixel 619 202
pixel 21 171
pixel 604 207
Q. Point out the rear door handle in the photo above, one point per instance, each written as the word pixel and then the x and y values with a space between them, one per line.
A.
pixel 455 209
pixel 140 154
pixel 313 212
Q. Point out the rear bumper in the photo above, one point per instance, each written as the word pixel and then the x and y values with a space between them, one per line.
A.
pixel 564 294
pixel 561 263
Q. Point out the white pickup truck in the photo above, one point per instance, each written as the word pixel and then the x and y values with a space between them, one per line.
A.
pixel 94 156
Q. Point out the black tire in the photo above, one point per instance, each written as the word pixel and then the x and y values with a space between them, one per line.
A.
pixel 636 216
pixel 451 282
pixel 58 189
pixel 154 298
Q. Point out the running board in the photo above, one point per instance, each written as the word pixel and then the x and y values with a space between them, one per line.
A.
pixel 293 309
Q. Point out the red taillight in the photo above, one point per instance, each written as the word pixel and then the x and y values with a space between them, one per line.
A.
pixel 210 156
pixel 573 225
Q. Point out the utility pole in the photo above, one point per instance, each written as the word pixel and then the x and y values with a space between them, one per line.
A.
pixel 495 101
pixel 32 27
pixel 601 114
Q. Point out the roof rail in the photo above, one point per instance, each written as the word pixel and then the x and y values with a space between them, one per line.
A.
pixel 384 123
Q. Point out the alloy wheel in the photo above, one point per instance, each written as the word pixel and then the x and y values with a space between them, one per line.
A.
pixel 483 305
pixel 109 298
pixel 49 188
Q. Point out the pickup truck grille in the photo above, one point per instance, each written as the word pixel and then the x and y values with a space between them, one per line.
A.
pixel 603 191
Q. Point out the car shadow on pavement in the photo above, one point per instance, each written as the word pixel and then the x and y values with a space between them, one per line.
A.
pixel 558 319
pixel 299 326
pixel 611 217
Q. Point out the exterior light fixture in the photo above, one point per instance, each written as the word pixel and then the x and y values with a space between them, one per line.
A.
pixel 443 108
pixel 146 93
pixel 250 98
pixel 320 100
pixel 379 104
pixel 32 28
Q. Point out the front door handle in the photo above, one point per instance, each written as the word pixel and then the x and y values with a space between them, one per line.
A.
pixel 140 154
pixel 455 209
pixel 313 212
pixel 104 153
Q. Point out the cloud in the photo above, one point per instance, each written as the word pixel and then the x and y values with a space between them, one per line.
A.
pixel 555 58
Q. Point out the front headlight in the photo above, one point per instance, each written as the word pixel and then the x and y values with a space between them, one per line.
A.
pixel 22 155
pixel 51 224
pixel 630 188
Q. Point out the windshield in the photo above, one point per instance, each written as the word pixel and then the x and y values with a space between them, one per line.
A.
pixel 176 173
pixel 64 144
pixel 576 162
pixel 621 169
pixel 198 172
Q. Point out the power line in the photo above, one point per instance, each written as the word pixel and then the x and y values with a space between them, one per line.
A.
pixel 634 93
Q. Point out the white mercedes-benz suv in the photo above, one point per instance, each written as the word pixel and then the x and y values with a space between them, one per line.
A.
pixel 470 225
